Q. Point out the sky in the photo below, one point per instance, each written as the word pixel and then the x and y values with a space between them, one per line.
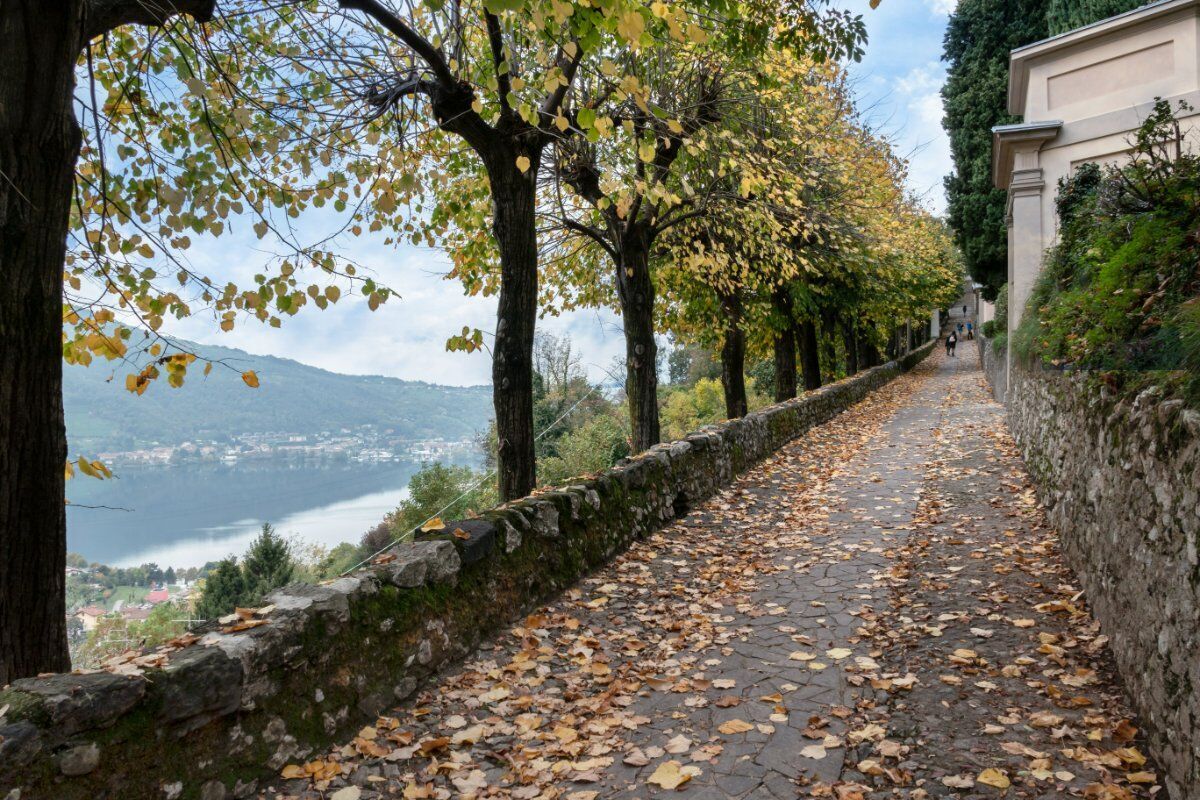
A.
pixel 897 83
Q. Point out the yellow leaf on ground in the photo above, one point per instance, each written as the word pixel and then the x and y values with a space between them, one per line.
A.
pixel 434 524
pixel 993 777
pixel 735 726
pixel 672 775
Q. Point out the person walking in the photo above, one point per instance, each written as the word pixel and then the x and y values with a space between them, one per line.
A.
pixel 960 329
pixel 951 341
pixel 970 330
pixel 964 311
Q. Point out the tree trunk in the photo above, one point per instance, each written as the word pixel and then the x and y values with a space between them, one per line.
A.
pixel 810 355
pixel 39 144
pixel 733 357
pixel 635 290
pixel 850 345
pixel 785 348
pixel 829 362
pixel 514 200
pixel 868 353
pixel 785 365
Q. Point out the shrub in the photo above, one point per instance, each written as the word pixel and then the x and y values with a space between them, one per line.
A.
pixel 268 565
pixel 595 446
pixel 1119 291
pixel 451 492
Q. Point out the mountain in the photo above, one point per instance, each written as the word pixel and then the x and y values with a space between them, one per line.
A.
pixel 292 397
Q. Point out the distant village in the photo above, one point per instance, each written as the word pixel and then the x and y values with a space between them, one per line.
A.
pixel 365 444
pixel 97 591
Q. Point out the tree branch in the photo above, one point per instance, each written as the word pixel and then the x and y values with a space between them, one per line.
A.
pixel 102 16
pixel 550 107
pixel 503 76
pixel 413 40
pixel 592 234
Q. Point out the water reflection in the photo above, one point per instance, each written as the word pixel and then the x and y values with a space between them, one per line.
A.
pixel 189 514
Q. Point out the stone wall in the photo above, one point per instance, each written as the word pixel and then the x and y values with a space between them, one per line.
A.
pixel 214 717
pixel 1121 479
pixel 994 365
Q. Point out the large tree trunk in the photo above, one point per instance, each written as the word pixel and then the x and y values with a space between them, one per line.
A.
pixel 514 200
pixel 785 348
pixel 39 143
pixel 635 290
pixel 810 356
pixel 733 358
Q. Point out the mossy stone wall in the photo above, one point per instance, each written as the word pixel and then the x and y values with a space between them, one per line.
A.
pixel 1120 477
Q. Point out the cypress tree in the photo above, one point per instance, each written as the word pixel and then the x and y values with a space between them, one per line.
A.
pixel 1066 15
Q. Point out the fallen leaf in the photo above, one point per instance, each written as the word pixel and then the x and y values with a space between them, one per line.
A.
pixel 672 774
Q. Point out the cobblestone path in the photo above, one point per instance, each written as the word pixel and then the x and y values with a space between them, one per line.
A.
pixel 877 611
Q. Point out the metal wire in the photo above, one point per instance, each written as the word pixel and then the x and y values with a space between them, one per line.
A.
pixel 470 489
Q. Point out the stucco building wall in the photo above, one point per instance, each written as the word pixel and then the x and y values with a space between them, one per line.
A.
pixel 1081 96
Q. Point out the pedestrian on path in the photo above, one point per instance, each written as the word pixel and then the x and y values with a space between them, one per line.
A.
pixel 964 310
pixel 960 329
pixel 951 341
pixel 970 330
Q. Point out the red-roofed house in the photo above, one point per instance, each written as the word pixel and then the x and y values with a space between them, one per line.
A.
pixel 157 596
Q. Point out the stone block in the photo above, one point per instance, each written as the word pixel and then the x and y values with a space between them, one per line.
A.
pixel 198 684
pixel 76 703
pixel 79 760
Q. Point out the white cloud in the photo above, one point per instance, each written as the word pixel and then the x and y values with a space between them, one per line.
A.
pixel 404 338
pixel 917 94
pixel 945 7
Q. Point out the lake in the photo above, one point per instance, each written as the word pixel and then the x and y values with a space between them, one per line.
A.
pixel 186 515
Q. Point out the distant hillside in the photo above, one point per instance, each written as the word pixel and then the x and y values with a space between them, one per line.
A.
pixel 292 397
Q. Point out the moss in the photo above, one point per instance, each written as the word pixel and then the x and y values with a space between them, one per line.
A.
pixel 23 707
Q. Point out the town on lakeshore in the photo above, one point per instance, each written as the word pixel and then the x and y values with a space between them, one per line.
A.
pixel 367 443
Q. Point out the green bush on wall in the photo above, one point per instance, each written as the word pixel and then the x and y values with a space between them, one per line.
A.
pixel 1120 292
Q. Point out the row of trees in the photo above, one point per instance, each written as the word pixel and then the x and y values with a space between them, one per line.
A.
pixel 696 165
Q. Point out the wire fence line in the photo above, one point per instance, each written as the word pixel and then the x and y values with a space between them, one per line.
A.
pixel 490 475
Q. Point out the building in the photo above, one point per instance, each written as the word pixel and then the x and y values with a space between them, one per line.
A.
pixel 1081 96
pixel 135 613
pixel 89 617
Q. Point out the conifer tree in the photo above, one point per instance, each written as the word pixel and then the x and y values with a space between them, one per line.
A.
pixel 224 590
pixel 268 564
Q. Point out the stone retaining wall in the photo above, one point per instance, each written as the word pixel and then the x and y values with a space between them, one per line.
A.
pixel 994 365
pixel 213 718
pixel 1121 479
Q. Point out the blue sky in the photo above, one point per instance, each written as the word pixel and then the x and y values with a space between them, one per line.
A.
pixel 897 83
